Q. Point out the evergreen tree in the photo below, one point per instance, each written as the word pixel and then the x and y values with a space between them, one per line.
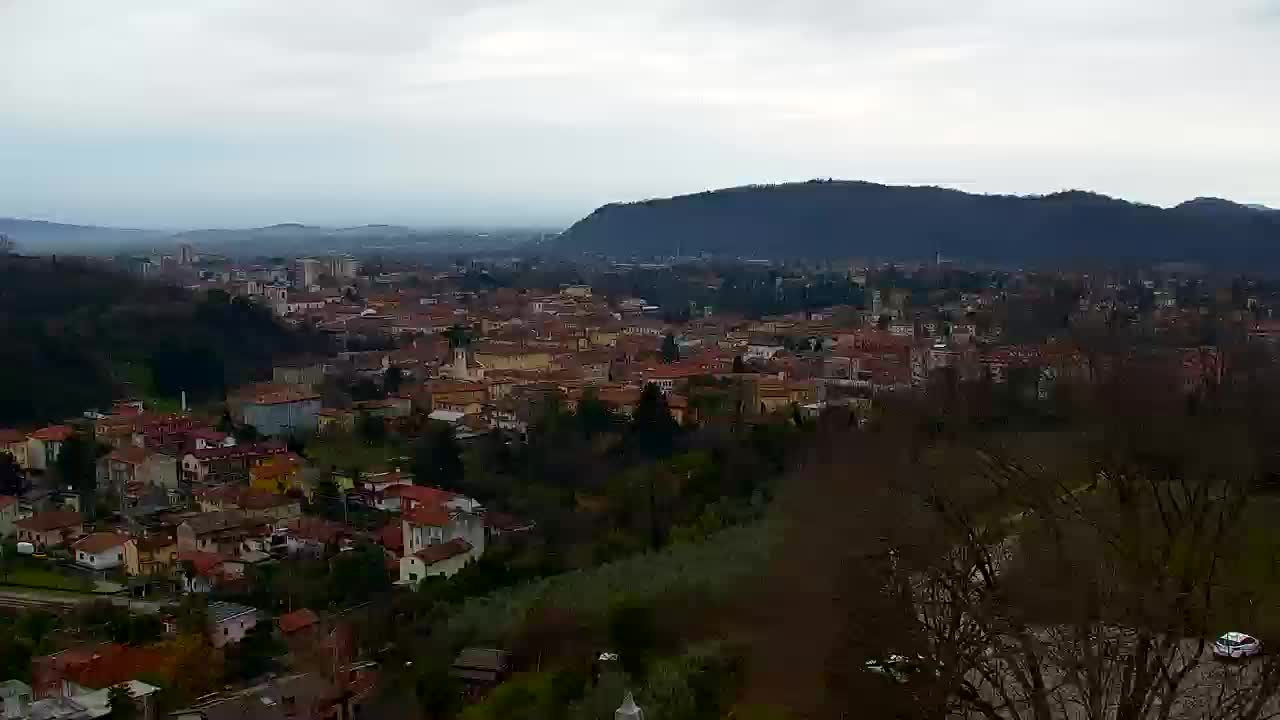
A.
pixel 77 467
pixel 12 477
pixel 391 380
pixel 437 458
pixel 739 366
pixel 653 430
pixel 670 350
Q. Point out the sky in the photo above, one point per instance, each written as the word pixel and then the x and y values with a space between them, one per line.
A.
pixel 202 113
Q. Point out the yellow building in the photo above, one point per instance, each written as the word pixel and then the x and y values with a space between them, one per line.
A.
pixel 276 473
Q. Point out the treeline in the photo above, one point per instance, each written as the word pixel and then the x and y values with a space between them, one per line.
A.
pixel 77 336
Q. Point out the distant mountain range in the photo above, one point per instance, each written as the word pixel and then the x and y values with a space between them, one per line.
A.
pixel 848 219
pixel 38 236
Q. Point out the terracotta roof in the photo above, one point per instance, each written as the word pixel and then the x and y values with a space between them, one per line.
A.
pixel 9 436
pixel 99 542
pixel 430 515
pixel 297 620
pixel 432 554
pixel 131 454
pixel 56 433
pixel 391 537
pixel 53 520
pixel 7 500
pixel 281 397
pixel 114 664
pixel 203 562
pixel 318 529
pixel 420 494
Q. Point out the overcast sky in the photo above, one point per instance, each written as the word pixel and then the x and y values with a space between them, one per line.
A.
pixel 177 113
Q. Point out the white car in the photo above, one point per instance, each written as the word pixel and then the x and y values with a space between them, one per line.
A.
pixel 1237 645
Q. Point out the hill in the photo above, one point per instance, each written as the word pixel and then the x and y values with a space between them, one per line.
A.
pixel 77 336
pixel 845 219
pixel 46 237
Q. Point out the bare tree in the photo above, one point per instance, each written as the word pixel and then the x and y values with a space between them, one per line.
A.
pixel 1086 580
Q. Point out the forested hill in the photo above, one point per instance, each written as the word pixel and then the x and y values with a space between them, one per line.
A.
pixel 76 336
pixel 839 219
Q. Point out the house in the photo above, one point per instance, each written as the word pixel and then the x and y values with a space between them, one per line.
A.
pixel 282 413
pixel 8 515
pixel 153 555
pixel 442 533
pixel 17 698
pixel 312 535
pixel 200 572
pixel 135 465
pixel 276 473
pixel 224 465
pixel 44 446
pixel 81 670
pixel 229 622
pixel 330 420
pixel 480 669
pixel 221 532
pixel 14 442
pixel 99 550
pixel 49 529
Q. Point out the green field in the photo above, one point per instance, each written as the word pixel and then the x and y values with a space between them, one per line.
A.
pixel 48 579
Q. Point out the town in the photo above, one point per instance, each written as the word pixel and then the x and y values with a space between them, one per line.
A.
pixel 460 428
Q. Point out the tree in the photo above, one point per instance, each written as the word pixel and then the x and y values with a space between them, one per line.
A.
pixel 372 429
pixel 653 430
pixel 670 350
pixel 457 336
pixel 254 655
pixel 78 468
pixel 358 574
pixel 593 416
pixel 246 433
pixel 12 477
pixel 391 380
pixel 437 458
pixel 1115 556
pixel 121 703
pixel 738 365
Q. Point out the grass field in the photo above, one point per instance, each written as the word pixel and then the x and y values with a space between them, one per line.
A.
pixel 48 579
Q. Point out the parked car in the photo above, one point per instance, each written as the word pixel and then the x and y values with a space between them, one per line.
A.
pixel 1237 645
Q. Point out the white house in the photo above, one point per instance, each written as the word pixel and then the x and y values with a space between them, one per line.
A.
pixel 441 535
pixel 100 550
pixel 230 622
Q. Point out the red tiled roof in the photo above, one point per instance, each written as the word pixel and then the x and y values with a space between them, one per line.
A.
pixel 55 433
pixel 430 515
pixel 432 554
pixel 131 454
pixel 99 542
pixel 318 529
pixel 53 520
pixel 203 562
pixel 7 500
pixel 9 436
pixel 420 494
pixel 297 620
pixel 391 537
pixel 113 664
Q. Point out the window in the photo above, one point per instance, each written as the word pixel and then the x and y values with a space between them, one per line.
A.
pixel 225 632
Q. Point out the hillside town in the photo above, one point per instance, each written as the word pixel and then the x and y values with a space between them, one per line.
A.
pixel 361 470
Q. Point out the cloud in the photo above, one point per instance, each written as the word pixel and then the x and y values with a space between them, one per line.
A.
pixel 504 110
